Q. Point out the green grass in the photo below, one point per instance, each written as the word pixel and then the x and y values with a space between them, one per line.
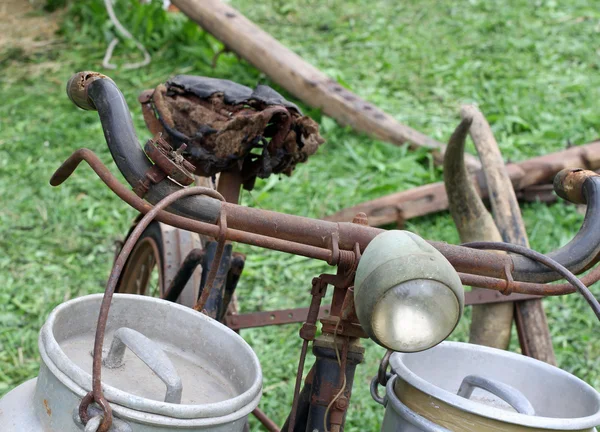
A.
pixel 532 67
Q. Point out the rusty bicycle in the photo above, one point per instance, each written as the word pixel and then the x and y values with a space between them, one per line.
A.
pixel 401 291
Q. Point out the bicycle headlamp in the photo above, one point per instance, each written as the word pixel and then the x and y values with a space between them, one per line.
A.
pixel 408 297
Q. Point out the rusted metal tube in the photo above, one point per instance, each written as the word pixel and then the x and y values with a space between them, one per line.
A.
pixel 321 233
pixel 283 226
pixel 314 232
pixel 261 226
pixel 547 261
pixel 517 287
pixel 540 289
pixel 83 154
pixel 294 234
pixel 313 243
pixel 279 245
pixel 67 168
pixel 229 185
pixel 463 261
pixel 216 265
pixel 265 421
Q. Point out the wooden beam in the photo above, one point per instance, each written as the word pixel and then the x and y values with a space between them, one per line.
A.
pixel 301 79
pixel 432 198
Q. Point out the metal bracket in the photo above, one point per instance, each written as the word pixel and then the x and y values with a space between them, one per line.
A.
pixel 169 161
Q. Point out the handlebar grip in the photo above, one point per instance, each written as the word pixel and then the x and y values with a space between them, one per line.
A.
pixel 94 91
pixel 77 88
pixel 579 187
pixel 569 184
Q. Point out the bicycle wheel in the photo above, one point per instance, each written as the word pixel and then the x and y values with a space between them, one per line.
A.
pixel 155 260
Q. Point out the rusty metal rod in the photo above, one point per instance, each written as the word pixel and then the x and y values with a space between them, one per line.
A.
pixel 214 268
pixel 69 166
pixel 547 261
pixel 299 315
pixel 256 227
pixel 576 255
pixel 97 394
pixel 296 399
pixel 265 421
pixel 476 268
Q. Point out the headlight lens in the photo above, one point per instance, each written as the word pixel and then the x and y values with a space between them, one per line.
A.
pixel 415 315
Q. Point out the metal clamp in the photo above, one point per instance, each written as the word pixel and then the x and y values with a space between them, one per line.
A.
pixel 507 393
pixel 170 162
pixel 150 353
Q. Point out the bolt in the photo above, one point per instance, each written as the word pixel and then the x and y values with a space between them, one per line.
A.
pixel 341 404
pixel 361 219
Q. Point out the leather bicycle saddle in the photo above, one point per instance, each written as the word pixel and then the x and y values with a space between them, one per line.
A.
pixel 227 125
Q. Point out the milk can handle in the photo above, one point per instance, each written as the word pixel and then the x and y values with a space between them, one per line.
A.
pixel 507 393
pixel 150 353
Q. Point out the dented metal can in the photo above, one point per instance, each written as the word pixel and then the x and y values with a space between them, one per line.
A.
pixel 166 368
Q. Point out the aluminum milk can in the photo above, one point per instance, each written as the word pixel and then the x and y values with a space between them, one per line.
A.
pixel 165 368
pixel 470 388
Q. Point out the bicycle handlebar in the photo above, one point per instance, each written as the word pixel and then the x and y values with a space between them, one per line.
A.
pixel 94 91
pixel 579 187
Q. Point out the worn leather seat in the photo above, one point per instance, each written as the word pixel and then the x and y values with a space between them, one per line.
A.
pixel 225 124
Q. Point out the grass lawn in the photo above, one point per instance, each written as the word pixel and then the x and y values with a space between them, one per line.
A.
pixel 532 67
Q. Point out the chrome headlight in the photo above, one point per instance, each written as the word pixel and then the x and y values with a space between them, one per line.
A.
pixel 407 296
